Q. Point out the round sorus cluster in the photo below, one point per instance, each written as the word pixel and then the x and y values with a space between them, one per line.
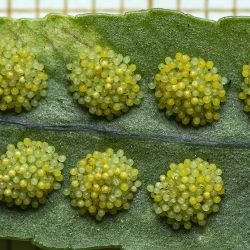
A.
pixel 28 172
pixel 244 95
pixel 22 77
pixel 103 182
pixel 189 89
pixel 104 82
pixel 188 193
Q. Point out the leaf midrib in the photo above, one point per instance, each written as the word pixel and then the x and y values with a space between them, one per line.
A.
pixel 136 136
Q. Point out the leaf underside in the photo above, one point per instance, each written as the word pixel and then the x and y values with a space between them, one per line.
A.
pixel 146 135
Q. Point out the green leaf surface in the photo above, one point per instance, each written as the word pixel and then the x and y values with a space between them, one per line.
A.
pixel 145 134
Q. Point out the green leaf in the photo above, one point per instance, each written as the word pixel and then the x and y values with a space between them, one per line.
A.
pixel 145 134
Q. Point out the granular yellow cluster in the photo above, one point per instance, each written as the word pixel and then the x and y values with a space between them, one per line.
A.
pixel 103 182
pixel 29 172
pixel 104 82
pixel 188 193
pixel 189 89
pixel 244 95
pixel 22 77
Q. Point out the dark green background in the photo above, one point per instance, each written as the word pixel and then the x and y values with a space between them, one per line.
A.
pixel 25 245
pixel 16 245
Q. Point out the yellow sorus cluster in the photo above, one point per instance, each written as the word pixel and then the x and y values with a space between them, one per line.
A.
pixel 189 89
pixel 22 77
pixel 188 193
pixel 28 172
pixel 104 82
pixel 244 95
pixel 103 182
